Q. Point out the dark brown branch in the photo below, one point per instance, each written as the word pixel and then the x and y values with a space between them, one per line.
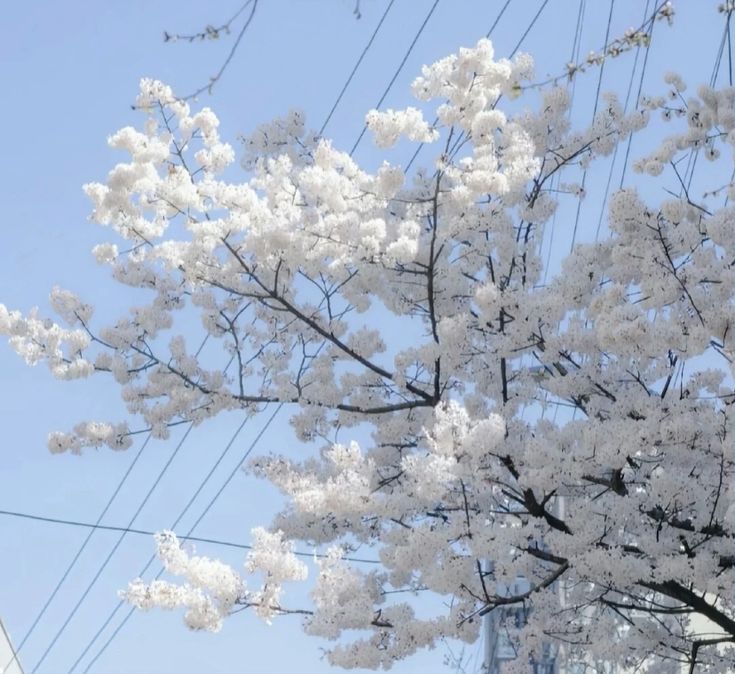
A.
pixel 329 336
pixel 218 76
pixel 519 598
pixel 675 590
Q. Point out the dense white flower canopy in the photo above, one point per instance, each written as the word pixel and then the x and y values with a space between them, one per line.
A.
pixel 416 305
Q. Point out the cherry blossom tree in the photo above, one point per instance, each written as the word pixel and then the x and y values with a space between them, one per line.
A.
pixel 571 427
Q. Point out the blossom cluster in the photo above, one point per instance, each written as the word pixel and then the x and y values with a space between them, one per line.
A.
pixel 574 429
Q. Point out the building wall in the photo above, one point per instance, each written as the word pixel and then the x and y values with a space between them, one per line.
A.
pixel 8 663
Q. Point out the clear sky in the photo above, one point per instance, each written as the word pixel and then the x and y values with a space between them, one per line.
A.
pixel 69 71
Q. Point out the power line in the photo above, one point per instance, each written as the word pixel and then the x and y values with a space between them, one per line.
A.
pixel 530 27
pixel 335 105
pixel 104 564
pixel 85 542
pixel 144 532
pixel 119 541
pixel 207 508
pixel 594 112
pixel 512 53
pixel 173 526
pixel 326 121
pixel 694 155
pixel 76 557
pixel 638 95
pixel 356 66
pixel 321 131
pixel 729 49
pixel 556 179
pixel 398 70
pixel 497 18
pixel 603 207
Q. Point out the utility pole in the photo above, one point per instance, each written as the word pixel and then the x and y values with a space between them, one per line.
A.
pixel 490 661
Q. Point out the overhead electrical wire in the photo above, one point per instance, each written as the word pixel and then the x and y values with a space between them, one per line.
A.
pixel 76 557
pixel 111 553
pixel 694 155
pixel 398 69
pixel 638 98
pixel 204 512
pixel 512 53
pixel 646 19
pixel 628 93
pixel 96 526
pixel 594 113
pixel 497 18
pixel 355 67
pixel 730 79
pixel 339 97
pixel 576 45
pixel 110 501
pixel 84 543
pixel 729 48
pixel 143 532
pixel 529 28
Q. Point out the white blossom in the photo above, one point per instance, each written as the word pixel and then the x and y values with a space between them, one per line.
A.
pixel 574 427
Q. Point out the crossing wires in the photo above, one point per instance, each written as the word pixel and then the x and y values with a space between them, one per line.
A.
pixel 85 542
pixel 176 522
pixel 398 69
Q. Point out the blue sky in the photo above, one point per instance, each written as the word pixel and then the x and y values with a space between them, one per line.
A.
pixel 69 72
